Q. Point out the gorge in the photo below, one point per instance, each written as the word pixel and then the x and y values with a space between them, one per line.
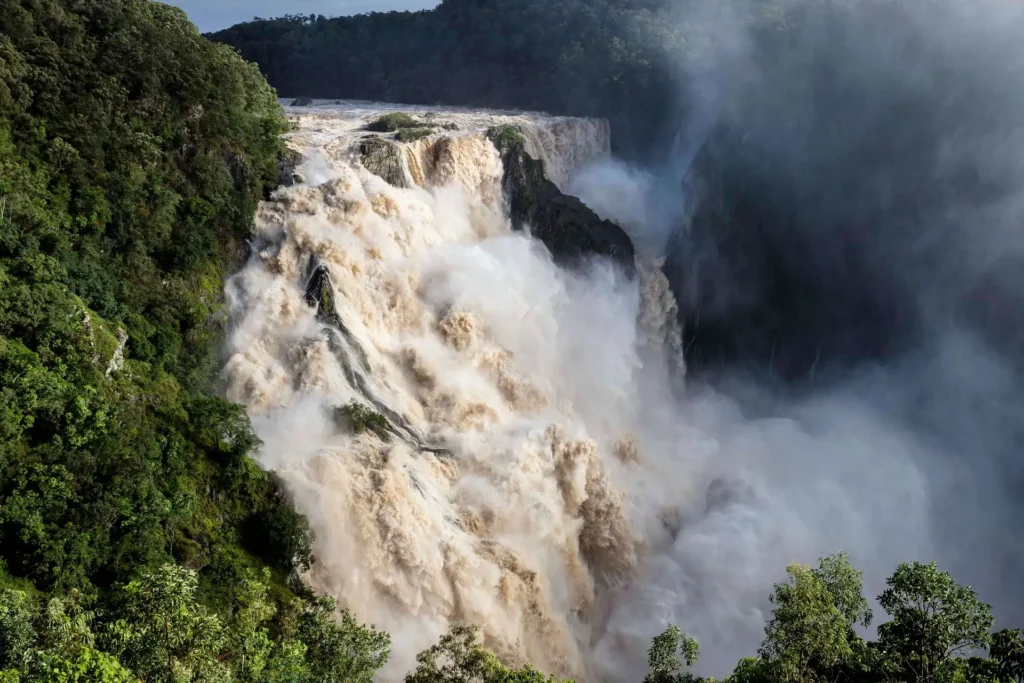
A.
pixel 538 466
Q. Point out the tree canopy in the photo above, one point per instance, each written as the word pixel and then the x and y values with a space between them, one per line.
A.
pixel 609 58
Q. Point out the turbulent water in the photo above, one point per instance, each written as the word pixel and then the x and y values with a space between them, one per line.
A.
pixel 499 501
pixel 539 481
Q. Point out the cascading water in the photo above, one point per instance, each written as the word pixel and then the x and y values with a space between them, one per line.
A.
pixel 538 478
pixel 493 500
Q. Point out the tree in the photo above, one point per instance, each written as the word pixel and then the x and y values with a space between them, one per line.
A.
pixel 934 619
pixel 339 650
pixel 811 629
pixel 664 665
pixel 1007 649
pixel 86 665
pixel 65 626
pixel 162 633
pixel 248 640
pixel 456 658
pixel 459 658
pixel 846 586
pixel 751 670
pixel 17 634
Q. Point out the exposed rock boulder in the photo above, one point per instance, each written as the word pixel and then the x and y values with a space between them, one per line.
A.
pixel 569 229
pixel 384 158
pixel 302 101
pixel 286 168
pixel 320 296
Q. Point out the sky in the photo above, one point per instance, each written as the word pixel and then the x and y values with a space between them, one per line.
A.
pixel 213 15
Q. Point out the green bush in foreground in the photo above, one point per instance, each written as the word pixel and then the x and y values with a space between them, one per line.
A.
pixel 158 630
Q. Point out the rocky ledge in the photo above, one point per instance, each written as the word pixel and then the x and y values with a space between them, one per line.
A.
pixel 566 226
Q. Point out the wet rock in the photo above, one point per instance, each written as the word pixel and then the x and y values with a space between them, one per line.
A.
pixel 302 101
pixel 571 231
pixel 769 280
pixel 384 158
pixel 286 168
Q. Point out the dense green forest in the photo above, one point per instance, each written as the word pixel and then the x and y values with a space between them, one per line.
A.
pixel 612 58
pixel 133 153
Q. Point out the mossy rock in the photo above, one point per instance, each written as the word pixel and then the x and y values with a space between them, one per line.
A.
pixel 506 139
pixel 412 134
pixel 389 123
pixel 361 419
pixel 383 158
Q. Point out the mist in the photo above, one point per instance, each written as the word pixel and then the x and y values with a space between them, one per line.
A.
pixel 841 248
pixel 819 351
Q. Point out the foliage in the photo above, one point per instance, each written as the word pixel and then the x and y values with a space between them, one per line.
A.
pixel 163 633
pixel 390 123
pixel 133 153
pixel 1007 649
pixel 459 658
pixel 339 650
pixel 506 138
pixel 412 134
pixel 663 657
pixel 83 666
pixel 808 632
pixel 846 586
pixel 360 418
pixel 157 630
pixel 933 619
pixel 935 622
pixel 138 536
pixel 16 632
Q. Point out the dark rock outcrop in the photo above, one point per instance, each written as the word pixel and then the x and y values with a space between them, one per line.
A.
pixel 302 101
pixel 286 168
pixel 569 229
pixel 774 278
pixel 382 157
pixel 353 359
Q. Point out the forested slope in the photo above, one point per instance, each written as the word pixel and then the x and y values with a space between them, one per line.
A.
pixel 612 58
pixel 133 519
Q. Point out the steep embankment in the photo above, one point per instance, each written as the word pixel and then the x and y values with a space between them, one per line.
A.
pixel 133 153
pixel 422 375
pixel 139 540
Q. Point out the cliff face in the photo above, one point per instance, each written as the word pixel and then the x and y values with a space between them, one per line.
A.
pixel 567 226
pixel 775 272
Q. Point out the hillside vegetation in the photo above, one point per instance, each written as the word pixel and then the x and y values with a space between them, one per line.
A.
pixel 133 519
pixel 611 58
